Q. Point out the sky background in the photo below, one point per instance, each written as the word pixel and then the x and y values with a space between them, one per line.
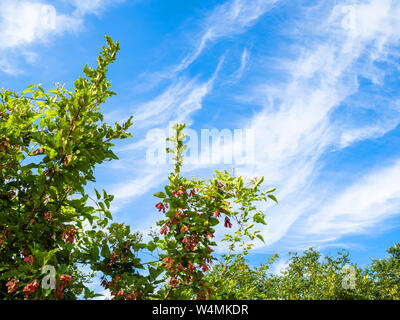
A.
pixel 316 81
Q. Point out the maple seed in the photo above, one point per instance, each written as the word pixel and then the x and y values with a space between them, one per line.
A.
pixel 30 288
pixel 12 285
pixel 38 151
pixel 228 223
pixel 29 259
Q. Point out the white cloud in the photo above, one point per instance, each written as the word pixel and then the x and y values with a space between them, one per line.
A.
pixel 176 104
pixel 92 6
pixel 129 189
pixel 360 206
pixel 298 125
pixel 279 267
pixel 238 74
pixel 177 101
pixel 24 22
pixel 351 136
pixel 27 22
pixel 229 19
pixel 7 67
pixel 243 62
pixel 106 295
pixel 133 188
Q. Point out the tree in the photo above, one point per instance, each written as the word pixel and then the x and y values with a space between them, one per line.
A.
pixel 50 143
pixel 383 276
pixel 310 276
pixel 192 209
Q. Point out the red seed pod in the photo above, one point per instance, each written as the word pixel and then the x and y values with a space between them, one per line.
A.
pixel 228 223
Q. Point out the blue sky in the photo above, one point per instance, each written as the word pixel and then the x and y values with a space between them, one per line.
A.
pixel 316 81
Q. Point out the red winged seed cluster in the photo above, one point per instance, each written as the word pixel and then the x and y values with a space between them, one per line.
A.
pixel 180 268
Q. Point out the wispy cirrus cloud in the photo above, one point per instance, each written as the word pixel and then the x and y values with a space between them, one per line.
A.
pixel 182 98
pixel 227 20
pixel 243 63
pixel 175 104
pixel 313 111
pixel 83 7
pixel 301 120
pixel 362 205
pixel 136 187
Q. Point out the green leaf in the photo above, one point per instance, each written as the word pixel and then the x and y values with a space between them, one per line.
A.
pixel 154 272
pixel 53 154
pixel 105 251
pixel 94 252
pixel 259 236
pixel 259 218
pixel 151 246
pixel 213 221
pixel 272 197
pixel 258 182
pixel 160 195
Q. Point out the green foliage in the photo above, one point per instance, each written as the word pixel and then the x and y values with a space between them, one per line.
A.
pixel 50 143
pixel 120 265
pixel 311 277
pixel 236 279
pixel 383 276
pixel 192 209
